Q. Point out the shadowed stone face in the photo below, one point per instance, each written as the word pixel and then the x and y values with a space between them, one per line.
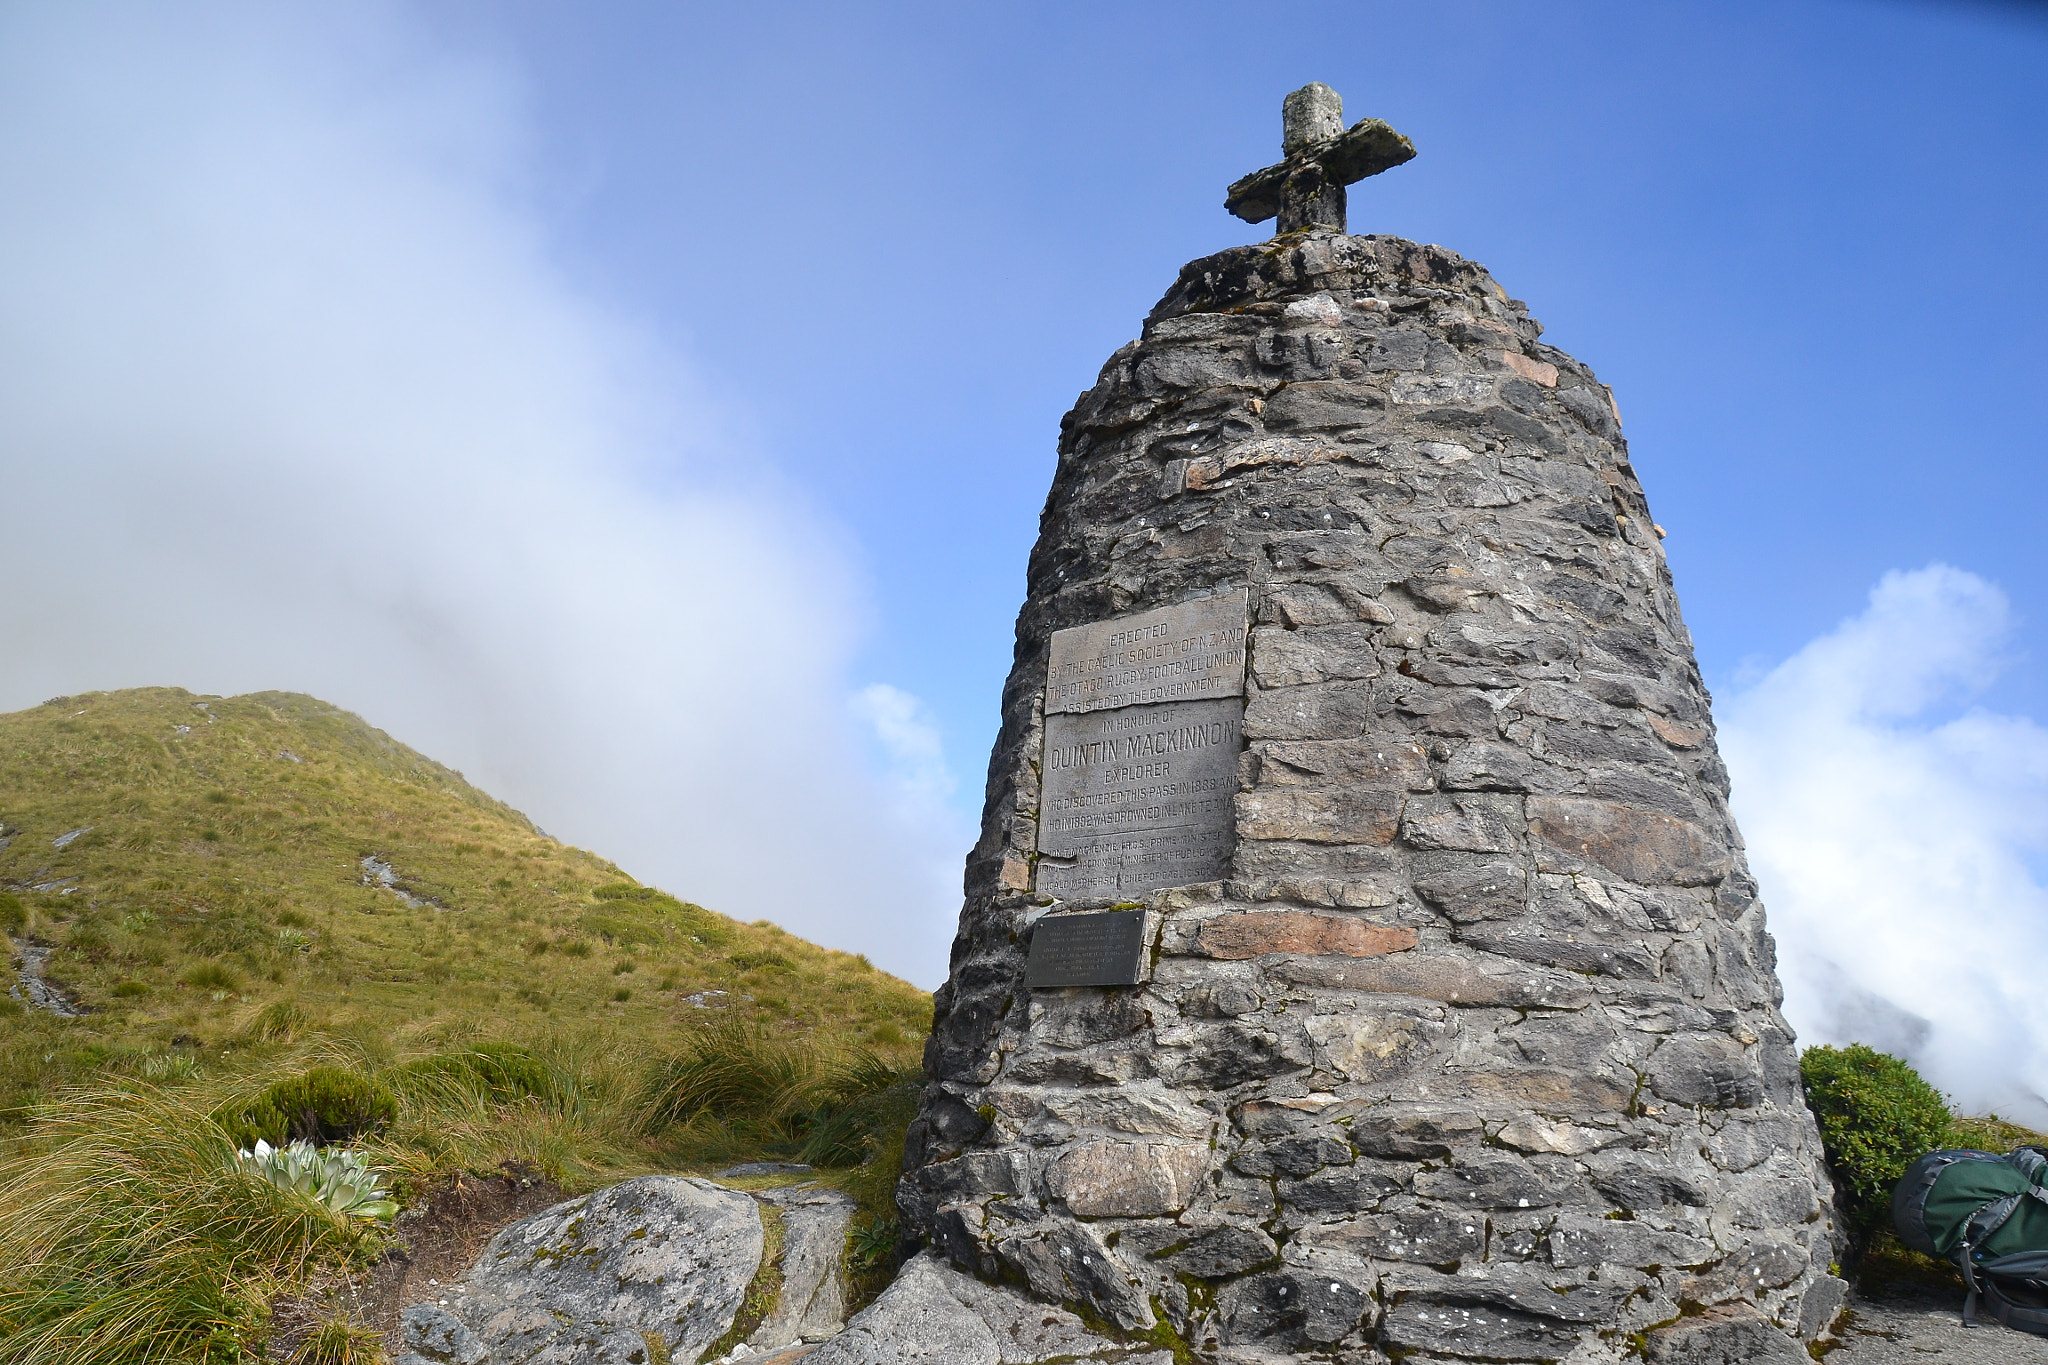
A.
pixel 1469 1044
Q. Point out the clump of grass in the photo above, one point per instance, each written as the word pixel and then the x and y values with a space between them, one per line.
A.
pixel 129 1233
pixel 732 1073
pixel 503 1073
pixel 280 1021
pixel 864 1108
pixel 339 1340
pixel 571 1105
pixel 212 976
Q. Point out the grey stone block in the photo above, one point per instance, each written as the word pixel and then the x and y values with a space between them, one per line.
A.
pixel 935 1315
pixel 1735 1336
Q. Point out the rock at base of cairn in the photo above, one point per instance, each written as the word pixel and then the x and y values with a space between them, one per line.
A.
pixel 1474 1050
pixel 812 1305
pixel 934 1315
pixel 590 1280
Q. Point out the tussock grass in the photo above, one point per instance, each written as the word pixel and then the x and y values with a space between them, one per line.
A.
pixel 514 1000
pixel 221 907
pixel 338 1341
pixel 129 1233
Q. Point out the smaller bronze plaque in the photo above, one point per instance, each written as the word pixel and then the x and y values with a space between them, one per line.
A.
pixel 1102 949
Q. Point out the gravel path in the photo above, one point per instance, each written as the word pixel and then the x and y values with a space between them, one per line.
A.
pixel 1908 1325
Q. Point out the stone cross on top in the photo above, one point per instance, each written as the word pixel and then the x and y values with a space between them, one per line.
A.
pixel 1322 157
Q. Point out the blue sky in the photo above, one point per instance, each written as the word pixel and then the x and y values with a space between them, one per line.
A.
pixel 1803 242
pixel 647 407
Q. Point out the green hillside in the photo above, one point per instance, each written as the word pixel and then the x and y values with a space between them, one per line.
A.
pixel 254 871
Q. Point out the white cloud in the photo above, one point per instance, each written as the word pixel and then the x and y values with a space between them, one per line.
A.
pixel 1897 848
pixel 292 396
pixel 904 728
pixel 920 784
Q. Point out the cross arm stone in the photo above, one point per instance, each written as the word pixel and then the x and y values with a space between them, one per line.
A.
pixel 1322 157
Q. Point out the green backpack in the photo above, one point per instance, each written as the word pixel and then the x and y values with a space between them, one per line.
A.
pixel 1989 1215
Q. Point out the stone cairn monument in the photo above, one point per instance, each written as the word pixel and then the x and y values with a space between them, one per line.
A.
pixel 1359 960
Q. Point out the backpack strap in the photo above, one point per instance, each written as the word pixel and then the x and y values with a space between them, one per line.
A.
pixel 2013 1315
pixel 1985 1221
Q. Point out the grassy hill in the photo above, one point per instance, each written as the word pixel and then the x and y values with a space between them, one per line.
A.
pixel 216 880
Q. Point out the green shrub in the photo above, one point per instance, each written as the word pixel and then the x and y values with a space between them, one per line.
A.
pixel 1876 1117
pixel 325 1105
pixel 504 1072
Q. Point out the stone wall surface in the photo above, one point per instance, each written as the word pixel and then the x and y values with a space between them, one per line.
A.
pixel 1476 1052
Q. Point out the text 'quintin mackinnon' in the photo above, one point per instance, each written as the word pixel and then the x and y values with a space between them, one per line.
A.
pixel 1143 726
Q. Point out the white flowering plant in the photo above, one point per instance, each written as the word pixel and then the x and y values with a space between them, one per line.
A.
pixel 333 1176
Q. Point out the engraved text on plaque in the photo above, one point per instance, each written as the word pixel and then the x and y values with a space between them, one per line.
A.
pixel 1137 796
pixel 1178 653
pixel 1105 949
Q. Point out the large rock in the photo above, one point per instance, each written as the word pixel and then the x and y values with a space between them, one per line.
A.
pixel 592 1281
pixel 1479 1030
pixel 1722 1336
pixel 812 1305
pixel 935 1315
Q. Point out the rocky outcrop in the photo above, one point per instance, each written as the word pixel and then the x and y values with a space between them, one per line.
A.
pixel 34 989
pixel 595 1280
pixel 812 1304
pixel 1475 1053
pixel 935 1315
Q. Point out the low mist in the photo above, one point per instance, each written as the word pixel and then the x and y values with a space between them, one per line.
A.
pixel 293 397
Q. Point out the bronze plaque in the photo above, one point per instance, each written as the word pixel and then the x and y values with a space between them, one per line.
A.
pixel 1105 949
pixel 1179 653
pixel 1139 798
